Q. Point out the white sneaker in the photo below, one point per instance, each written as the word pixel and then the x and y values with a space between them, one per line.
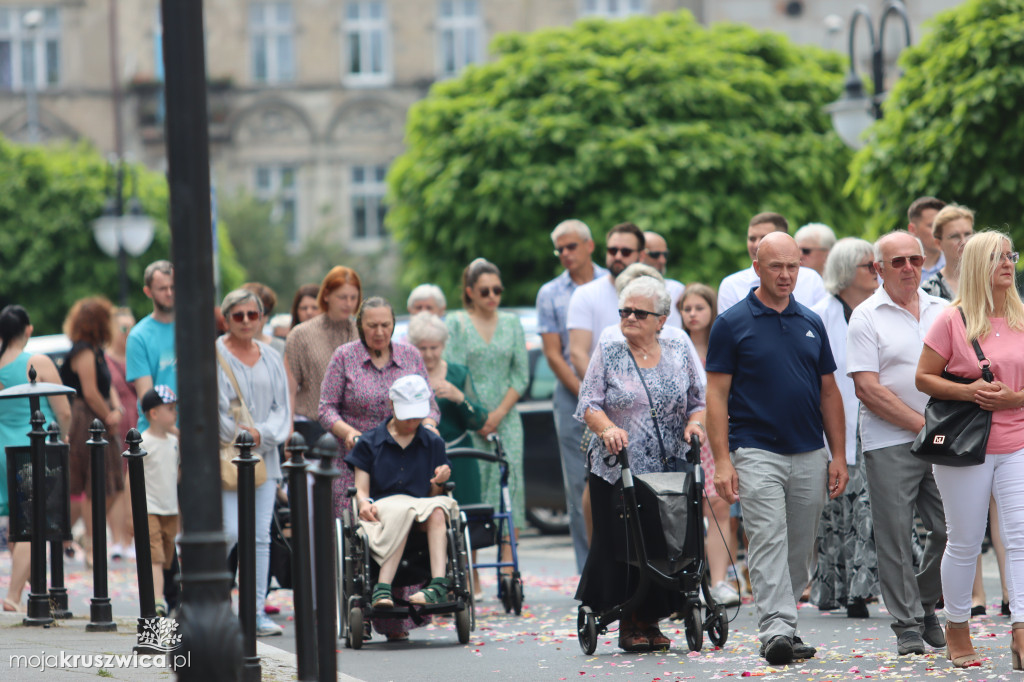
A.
pixel 265 627
pixel 725 594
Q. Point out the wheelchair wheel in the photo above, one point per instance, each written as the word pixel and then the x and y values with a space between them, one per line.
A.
pixel 694 629
pixel 355 628
pixel 465 558
pixel 586 630
pixel 463 626
pixel 718 626
pixel 517 596
pixel 506 592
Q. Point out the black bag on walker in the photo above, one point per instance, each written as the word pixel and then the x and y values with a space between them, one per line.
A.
pixel 664 508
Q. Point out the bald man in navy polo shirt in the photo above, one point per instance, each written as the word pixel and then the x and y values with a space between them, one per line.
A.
pixel 771 394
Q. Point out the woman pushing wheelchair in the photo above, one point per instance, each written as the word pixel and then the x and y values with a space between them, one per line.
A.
pixel 400 471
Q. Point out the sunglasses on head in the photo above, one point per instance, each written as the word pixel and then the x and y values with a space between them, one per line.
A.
pixel 639 314
pixel 240 315
pixel 657 255
pixel 486 291
pixel 568 247
pixel 626 252
pixel 899 261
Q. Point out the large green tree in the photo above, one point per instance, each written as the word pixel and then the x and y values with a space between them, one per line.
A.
pixel 48 256
pixel 952 125
pixel 657 120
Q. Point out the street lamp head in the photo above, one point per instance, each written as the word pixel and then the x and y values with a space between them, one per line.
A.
pixel 136 229
pixel 852 113
pixel 32 19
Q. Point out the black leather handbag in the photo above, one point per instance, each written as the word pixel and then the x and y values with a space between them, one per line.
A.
pixel 955 432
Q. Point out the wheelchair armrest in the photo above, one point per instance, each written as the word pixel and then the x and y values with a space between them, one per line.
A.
pixel 351 492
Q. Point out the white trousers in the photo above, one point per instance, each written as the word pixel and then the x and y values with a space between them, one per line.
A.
pixel 264 514
pixel 965 495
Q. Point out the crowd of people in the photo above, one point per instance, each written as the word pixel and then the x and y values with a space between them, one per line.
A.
pixel 804 378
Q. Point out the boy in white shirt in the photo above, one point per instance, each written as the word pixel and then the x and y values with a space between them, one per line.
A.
pixel 159 404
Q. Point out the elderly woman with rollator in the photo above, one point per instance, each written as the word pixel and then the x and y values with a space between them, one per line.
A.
pixel 642 392
pixel 987 310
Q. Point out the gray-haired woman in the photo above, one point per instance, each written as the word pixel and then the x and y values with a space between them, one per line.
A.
pixel 260 377
pixel 461 411
pixel 846 572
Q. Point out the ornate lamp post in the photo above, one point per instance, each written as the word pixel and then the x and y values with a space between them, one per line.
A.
pixel 121 233
pixel 855 111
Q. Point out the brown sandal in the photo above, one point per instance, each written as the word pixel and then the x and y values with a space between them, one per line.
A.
pixel 631 640
pixel 657 638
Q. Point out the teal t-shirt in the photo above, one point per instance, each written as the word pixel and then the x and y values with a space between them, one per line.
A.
pixel 150 352
pixel 14 418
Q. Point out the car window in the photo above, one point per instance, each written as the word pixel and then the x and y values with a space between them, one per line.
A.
pixel 542 379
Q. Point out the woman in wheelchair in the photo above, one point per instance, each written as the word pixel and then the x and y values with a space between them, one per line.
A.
pixel 400 471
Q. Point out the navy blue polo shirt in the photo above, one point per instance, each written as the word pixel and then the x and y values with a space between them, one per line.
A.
pixel 776 361
pixel 397 471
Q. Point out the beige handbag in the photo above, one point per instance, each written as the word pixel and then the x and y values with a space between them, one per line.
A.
pixel 228 451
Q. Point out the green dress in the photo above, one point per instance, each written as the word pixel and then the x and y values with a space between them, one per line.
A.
pixel 495 367
pixel 458 420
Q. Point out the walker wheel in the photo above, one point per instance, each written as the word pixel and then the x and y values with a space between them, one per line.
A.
pixel 517 596
pixel 355 628
pixel 505 591
pixel 463 626
pixel 586 630
pixel 718 626
pixel 694 629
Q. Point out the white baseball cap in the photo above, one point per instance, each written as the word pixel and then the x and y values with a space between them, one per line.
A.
pixel 411 397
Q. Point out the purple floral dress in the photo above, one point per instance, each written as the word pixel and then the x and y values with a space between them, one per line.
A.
pixel 356 391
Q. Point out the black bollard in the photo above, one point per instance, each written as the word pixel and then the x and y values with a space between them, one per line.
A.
pixel 298 505
pixel 140 520
pixel 58 592
pixel 100 611
pixel 38 599
pixel 246 463
pixel 326 449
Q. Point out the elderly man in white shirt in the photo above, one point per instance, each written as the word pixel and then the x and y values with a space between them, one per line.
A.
pixel 883 346
pixel 809 288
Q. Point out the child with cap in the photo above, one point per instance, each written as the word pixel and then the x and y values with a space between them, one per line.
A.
pixel 159 404
pixel 400 470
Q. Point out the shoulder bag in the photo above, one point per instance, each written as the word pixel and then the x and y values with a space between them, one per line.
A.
pixel 955 432
pixel 228 451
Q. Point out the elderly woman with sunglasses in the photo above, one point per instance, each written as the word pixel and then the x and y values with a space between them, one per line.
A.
pixel 987 310
pixel 260 377
pixel 628 378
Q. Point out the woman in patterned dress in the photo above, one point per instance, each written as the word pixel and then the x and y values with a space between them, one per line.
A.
pixel 492 345
pixel 354 398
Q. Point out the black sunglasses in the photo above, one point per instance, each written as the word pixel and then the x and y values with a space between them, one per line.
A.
pixel 639 314
pixel 568 247
pixel 240 315
pixel 626 252
pixel 656 255
pixel 486 291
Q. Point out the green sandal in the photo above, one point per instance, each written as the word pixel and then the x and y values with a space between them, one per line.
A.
pixel 382 596
pixel 435 592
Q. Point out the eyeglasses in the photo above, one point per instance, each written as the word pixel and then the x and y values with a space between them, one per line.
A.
pixel 1011 256
pixel 899 261
pixel 870 267
pixel 626 252
pixel 657 255
pixel 640 315
pixel 486 291
pixel 240 315
pixel 568 247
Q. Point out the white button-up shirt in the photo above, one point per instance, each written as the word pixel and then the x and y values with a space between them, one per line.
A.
pixel 887 339
pixel 809 288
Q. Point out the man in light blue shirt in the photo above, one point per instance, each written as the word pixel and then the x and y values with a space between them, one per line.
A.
pixel 150 353
pixel 574 248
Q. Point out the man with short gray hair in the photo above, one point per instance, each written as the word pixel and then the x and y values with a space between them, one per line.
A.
pixel 815 241
pixel 884 343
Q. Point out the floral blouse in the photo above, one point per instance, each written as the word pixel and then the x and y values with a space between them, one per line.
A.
pixel 613 387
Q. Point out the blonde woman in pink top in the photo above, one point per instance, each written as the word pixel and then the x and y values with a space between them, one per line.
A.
pixel 995 318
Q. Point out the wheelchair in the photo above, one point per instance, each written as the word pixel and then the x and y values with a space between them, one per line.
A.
pixel 359 574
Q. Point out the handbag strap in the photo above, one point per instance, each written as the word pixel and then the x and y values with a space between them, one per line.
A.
pixel 234 384
pixel 983 362
pixel 650 401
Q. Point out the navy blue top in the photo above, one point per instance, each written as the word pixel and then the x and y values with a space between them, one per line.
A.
pixel 394 471
pixel 776 361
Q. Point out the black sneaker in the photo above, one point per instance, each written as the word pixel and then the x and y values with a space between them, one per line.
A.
pixel 1004 608
pixel 857 608
pixel 909 642
pixel 778 650
pixel 801 650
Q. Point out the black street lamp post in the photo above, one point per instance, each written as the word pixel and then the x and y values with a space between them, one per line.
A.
pixel 855 111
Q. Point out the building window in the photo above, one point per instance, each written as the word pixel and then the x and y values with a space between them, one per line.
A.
pixel 613 9
pixel 276 185
pixel 367 44
pixel 29 47
pixel 460 35
pixel 271 36
pixel 367 196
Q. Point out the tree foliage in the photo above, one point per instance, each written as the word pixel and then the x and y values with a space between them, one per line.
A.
pixel 682 129
pixel 48 257
pixel 952 126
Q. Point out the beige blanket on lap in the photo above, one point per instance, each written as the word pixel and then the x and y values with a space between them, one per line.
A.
pixel 396 514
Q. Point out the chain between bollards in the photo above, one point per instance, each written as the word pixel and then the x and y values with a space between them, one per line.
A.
pixel 246 463
pixel 326 449
pixel 302 588
pixel 101 618
pixel 140 520
pixel 58 592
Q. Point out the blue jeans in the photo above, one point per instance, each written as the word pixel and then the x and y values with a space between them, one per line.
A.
pixel 264 513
